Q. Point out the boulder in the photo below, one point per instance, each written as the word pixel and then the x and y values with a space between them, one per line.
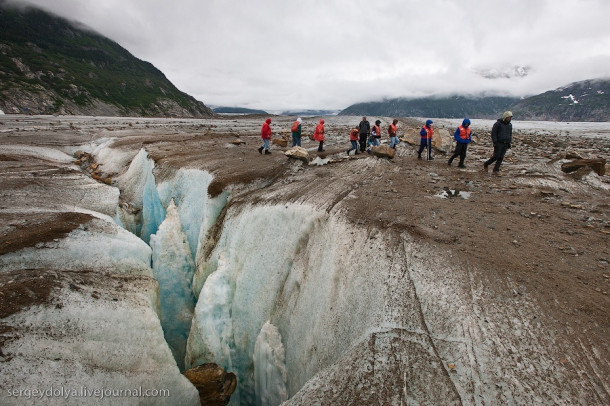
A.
pixel 237 141
pixel 214 384
pixel 280 141
pixel 298 153
pixel 383 151
pixel 441 141
pixel 570 154
pixel 410 136
pixel 597 164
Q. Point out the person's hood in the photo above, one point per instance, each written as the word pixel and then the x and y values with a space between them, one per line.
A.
pixel 507 114
pixel 466 122
pixel 300 120
pixel 429 123
pixel 322 121
pixel 268 121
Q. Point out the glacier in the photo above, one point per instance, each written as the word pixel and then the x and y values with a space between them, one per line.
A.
pixel 274 281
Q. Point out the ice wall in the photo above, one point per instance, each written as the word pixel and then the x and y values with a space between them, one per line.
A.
pixel 313 277
pixel 144 210
pixel 173 268
pixel 197 211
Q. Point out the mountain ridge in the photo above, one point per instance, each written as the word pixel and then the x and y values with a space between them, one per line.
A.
pixel 587 100
pixel 49 65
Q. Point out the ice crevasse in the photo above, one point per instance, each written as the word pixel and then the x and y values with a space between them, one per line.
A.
pixel 284 293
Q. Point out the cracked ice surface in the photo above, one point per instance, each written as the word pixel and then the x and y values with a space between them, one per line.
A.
pixel 101 245
pixel 95 343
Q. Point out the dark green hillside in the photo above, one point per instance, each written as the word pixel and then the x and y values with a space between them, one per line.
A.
pixel 49 65
pixel 448 107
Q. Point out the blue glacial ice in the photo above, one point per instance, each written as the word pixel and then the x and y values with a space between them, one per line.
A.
pixel 173 268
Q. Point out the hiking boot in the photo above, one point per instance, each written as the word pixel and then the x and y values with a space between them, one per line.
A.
pixel 348 152
pixel 430 158
pixel 260 150
pixel 418 156
pixel 485 168
pixel 496 173
pixel 449 162
pixel 267 152
pixel 461 166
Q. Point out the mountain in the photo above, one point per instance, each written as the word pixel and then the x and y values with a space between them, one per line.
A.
pixel 309 112
pixel 49 65
pixel 588 100
pixel 237 110
pixel 447 107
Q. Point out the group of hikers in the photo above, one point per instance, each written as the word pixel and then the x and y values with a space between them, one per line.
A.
pixel 364 137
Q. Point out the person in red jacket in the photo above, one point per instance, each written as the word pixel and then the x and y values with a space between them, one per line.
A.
pixel 266 136
pixel 318 135
pixel 353 137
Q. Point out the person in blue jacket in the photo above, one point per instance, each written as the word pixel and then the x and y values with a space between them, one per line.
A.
pixel 463 136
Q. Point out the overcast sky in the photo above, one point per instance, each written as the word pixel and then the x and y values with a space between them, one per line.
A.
pixel 329 54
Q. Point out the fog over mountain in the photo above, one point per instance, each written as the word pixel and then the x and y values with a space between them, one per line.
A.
pixel 273 55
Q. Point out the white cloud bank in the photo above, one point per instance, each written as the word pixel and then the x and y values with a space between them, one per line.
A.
pixel 280 54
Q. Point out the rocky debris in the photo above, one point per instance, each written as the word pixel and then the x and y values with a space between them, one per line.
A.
pixel 383 151
pixel 214 384
pixel 87 162
pixel 299 153
pixel 238 141
pixel 597 164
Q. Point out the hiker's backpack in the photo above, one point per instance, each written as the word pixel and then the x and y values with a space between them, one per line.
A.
pixel 295 127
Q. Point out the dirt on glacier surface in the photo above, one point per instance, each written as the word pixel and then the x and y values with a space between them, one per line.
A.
pixel 543 233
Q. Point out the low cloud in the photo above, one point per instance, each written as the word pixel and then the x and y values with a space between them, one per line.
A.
pixel 273 54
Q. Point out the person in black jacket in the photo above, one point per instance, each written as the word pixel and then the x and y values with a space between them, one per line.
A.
pixel 501 136
pixel 364 129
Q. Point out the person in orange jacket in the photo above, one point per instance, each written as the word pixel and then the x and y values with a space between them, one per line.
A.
pixel 318 135
pixel 353 137
pixel 425 135
pixel 266 136
pixel 463 136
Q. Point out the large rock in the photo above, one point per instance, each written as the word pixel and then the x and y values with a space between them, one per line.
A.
pixel 298 153
pixel 280 141
pixel 383 151
pixel 597 164
pixel 411 136
pixel 214 384
pixel 441 141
